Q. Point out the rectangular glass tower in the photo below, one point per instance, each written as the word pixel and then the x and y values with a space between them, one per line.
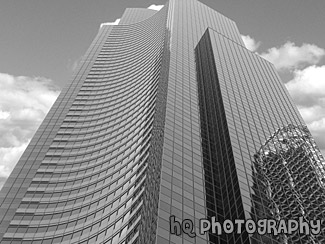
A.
pixel 168 115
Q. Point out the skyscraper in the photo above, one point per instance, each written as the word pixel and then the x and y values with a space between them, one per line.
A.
pixel 168 115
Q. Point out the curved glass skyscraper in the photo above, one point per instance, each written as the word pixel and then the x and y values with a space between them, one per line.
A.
pixel 168 115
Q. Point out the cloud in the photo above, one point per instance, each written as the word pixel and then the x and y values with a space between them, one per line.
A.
pixel 155 7
pixel 9 156
pixel 116 22
pixel 307 89
pixel 4 115
pixel 24 102
pixel 250 43
pixel 2 181
pixel 308 86
pixel 318 125
pixel 317 129
pixel 312 113
pixel 290 57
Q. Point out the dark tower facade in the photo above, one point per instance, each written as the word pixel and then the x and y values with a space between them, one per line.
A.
pixel 168 114
pixel 254 139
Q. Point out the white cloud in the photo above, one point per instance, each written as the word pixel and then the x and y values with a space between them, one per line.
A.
pixel 9 157
pixel 315 119
pixel 24 102
pixel 290 57
pixel 116 22
pixel 307 89
pixel 2 181
pixel 250 43
pixel 318 125
pixel 155 7
pixel 312 113
pixel 308 86
pixel 4 115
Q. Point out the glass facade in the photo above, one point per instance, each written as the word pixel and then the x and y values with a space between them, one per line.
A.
pixel 263 161
pixel 81 179
pixel 168 115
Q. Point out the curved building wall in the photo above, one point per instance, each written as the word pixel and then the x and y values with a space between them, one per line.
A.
pixel 134 15
pixel 88 185
pixel 18 182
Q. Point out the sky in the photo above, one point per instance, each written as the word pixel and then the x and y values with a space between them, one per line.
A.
pixel 42 42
